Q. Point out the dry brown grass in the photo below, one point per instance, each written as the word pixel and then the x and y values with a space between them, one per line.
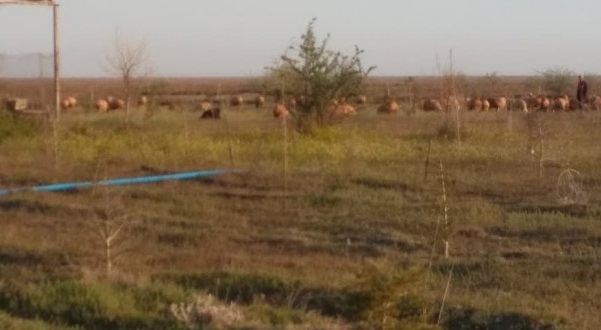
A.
pixel 355 194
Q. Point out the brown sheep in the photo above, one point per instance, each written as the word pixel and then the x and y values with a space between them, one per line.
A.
pixel 498 103
pixel 545 104
pixel 259 101
pixel 519 105
pixel 292 103
pixel 16 104
pixel 474 104
pixel 214 113
pixel 574 104
pixel 102 105
pixel 485 105
pixel 559 103
pixel 390 106
pixel 72 101
pixel 204 106
pixel 65 104
pixel 451 103
pixel 280 111
pixel 236 101
pixel 594 102
pixel 115 104
pixel 432 105
pixel 142 101
pixel 361 99
pixel 342 110
pixel 534 102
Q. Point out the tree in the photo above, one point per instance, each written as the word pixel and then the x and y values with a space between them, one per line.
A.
pixel 128 60
pixel 557 80
pixel 318 76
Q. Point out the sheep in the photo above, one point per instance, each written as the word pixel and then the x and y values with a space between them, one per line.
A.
pixel 16 104
pixel 545 104
pixel 204 106
pixel 595 102
pixel 292 103
pixel 559 103
pixel 236 101
pixel 361 100
pixel 259 101
pixel 72 101
pixel 65 104
pixel 473 104
pixel 519 105
pixel 68 102
pixel 390 106
pixel 142 101
pixel 115 104
pixel 280 111
pixel 451 103
pixel 574 104
pixel 485 105
pixel 498 103
pixel 214 113
pixel 342 110
pixel 432 105
pixel 102 105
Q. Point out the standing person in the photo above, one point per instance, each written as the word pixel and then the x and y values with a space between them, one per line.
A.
pixel 581 91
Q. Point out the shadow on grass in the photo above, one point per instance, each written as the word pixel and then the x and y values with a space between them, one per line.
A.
pixel 471 319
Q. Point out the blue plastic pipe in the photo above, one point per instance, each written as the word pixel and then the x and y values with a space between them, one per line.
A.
pixel 120 181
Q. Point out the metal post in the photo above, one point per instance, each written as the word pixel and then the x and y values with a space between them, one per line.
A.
pixel 57 101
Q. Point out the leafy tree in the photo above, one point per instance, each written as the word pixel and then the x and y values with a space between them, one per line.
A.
pixel 318 76
pixel 557 80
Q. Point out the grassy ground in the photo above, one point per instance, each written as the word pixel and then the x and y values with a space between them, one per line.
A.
pixel 349 235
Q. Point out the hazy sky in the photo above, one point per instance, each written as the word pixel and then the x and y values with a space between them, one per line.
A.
pixel 241 37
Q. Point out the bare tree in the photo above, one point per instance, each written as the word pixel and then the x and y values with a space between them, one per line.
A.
pixel 127 59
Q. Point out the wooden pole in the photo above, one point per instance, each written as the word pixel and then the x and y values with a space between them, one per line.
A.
pixel 57 108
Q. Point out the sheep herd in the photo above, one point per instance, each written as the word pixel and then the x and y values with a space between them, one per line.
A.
pixel 340 108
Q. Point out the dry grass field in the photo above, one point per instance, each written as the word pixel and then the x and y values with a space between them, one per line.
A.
pixel 343 228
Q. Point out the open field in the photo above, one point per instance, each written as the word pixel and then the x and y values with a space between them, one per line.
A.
pixel 343 228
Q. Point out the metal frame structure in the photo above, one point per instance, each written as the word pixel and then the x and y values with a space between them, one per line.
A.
pixel 54 6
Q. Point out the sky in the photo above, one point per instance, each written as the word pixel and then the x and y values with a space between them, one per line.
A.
pixel 241 37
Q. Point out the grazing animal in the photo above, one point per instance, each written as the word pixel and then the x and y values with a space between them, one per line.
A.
pixel 574 104
pixel 432 105
pixel 280 111
pixel 545 104
pixel 595 102
pixel 391 106
pixel 292 103
pixel 102 105
pixel 361 99
pixel 204 106
pixel 143 100
pixel 498 103
pixel 115 104
pixel 342 110
pixel 259 101
pixel 520 104
pixel 451 103
pixel 16 104
pixel 65 104
pixel 68 102
pixel 559 103
pixel 485 105
pixel 214 113
pixel 72 101
pixel 474 104
pixel 236 100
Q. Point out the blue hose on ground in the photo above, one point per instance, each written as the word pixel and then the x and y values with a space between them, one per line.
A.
pixel 120 181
